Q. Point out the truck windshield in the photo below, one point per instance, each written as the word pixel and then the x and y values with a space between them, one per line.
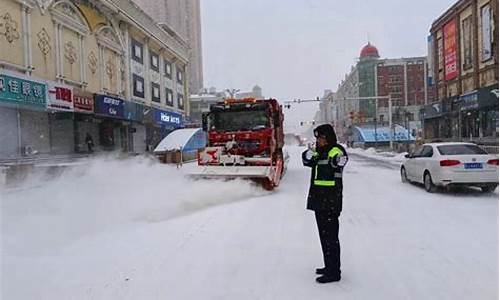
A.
pixel 239 120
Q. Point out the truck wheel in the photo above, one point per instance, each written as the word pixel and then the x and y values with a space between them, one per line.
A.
pixel 267 184
pixel 489 188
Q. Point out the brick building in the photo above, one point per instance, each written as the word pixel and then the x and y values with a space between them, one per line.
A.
pixel 404 79
pixel 464 50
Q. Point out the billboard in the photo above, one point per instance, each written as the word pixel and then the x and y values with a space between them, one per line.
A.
pixel 450 50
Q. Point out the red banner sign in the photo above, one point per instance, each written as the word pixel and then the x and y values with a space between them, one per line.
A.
pixel 450 50
pixel 84 102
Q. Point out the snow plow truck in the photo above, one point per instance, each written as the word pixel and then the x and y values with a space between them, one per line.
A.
pixel 244 140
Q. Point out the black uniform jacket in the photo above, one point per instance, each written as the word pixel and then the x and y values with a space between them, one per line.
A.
pixel 326 198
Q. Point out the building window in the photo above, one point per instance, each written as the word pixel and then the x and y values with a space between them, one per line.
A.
pixel 180 76
pixel 486 37
pixel 155 62
pixel 170 97
pixel 137 51
pixel 138 83
pixel 467 42
pixel 155 92
pixel 180 100
pixel 168 69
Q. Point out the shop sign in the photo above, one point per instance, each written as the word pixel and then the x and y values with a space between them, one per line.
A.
pixel 469 101
pixel 433 110
pixel 488 96
pixel 16 90
pixel 168 118
pixel 450 50
pixel 60 97
pixel 109 106
pixel 83 101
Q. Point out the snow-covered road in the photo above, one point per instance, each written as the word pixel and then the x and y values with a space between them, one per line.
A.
pixel 139 230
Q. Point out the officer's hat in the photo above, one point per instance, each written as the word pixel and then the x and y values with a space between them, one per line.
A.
pixel 327 131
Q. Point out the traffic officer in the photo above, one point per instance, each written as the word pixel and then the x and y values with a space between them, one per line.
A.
pixel 325 196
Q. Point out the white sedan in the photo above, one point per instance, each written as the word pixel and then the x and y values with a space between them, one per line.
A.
pixel 451 164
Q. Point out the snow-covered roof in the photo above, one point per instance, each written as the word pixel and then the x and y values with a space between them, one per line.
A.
pixel 176 140
pixel 367 133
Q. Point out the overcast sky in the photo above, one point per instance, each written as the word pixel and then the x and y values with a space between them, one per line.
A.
pixel 299 48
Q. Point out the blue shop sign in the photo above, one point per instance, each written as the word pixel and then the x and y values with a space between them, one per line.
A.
pixel 168 118
pixel 469 101
pixel 16 90
pixel 109 106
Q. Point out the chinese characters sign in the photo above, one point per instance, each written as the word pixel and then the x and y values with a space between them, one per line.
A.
pixel 60 97
pixel 21 91
pixel 84 102
pixel 450 51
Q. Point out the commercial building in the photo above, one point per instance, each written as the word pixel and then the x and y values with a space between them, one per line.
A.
pixel 403 79
pixel 464 48
pixel 183 17
pixel 102 69
pixel 200 103
pixel 256 93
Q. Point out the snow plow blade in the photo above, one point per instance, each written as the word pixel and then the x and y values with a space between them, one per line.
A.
pixel 231 172
pixel 263 175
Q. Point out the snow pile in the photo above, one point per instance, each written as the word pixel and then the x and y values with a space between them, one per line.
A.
pixel 386 156
pixel 102 195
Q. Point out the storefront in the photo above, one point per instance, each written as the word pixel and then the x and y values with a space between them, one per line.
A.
pixel 479 113
pixel 145 116
pixel 137 131
pixel 23 102
pixel 84 121
pixel 164 123
pixel 113 130
pixel 431 117
pixel 488 111
pixel 60 108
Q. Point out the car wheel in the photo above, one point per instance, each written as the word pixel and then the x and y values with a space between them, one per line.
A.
pixel 404 178
pixel 489 188
pixel 428 184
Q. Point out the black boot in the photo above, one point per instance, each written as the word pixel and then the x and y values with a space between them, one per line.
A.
pixel 328 278
pixel 320 271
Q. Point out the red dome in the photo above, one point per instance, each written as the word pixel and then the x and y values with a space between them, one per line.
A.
pixel 369 51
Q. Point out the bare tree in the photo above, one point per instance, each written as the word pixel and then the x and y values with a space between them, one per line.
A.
pixel 232 92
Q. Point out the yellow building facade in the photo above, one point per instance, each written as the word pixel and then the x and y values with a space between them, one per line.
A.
pixel 82 52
